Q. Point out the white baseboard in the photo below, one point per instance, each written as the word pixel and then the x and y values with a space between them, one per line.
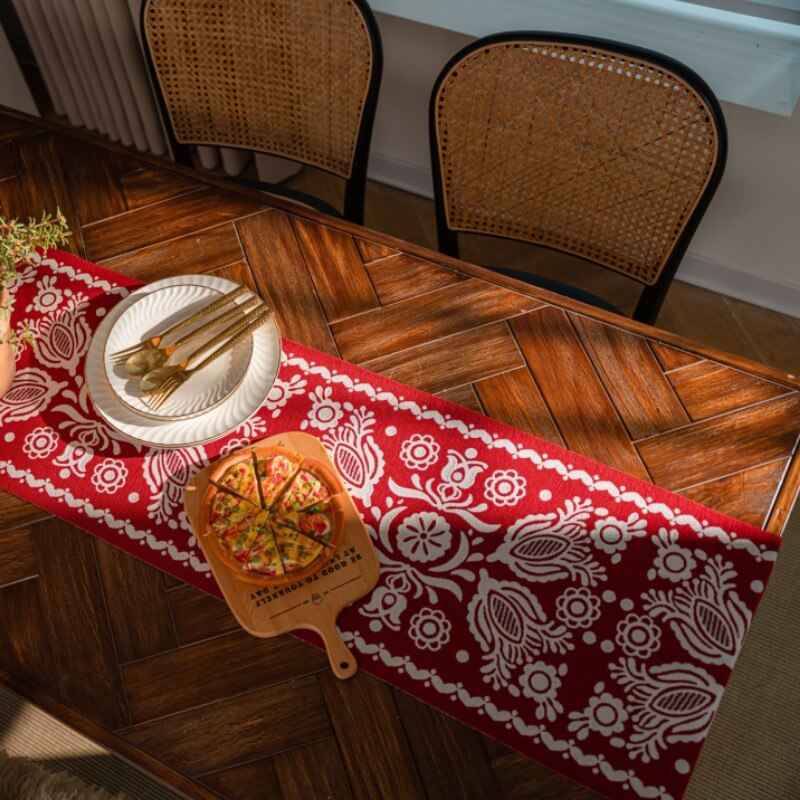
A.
pixel 400 174
pixel 709 274
pixel 695 269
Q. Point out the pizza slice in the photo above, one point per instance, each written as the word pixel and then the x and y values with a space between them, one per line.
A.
pixel 274 473
pixel 297 551
pixel 240 478
pixel 228 510
pixel 305 488
pixel 317 525
pixel 264 557
pixel 239 539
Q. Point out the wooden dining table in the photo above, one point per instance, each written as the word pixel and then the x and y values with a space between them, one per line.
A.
pixel 157 670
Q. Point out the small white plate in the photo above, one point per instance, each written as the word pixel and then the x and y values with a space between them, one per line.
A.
pixel 157 311
pixel 239 406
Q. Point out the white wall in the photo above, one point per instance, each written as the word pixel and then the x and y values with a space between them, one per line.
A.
pixel 748 244
pixel 14 91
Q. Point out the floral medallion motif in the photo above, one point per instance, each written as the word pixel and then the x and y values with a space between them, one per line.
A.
pixel 577 607
pixel 48 297
pixel 541 682
pixel 41 442
pixel 505 487
pixel 605 715
pixel 419 451
pixel 673 562
pixel 430 629
pixel 424 537
pixel 109 475
pixel 638 636
pixel 611 535
pixel 324 413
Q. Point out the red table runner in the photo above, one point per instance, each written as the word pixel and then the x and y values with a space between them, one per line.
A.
pixel 582 616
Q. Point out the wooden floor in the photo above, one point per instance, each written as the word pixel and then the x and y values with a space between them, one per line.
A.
pixel 701 315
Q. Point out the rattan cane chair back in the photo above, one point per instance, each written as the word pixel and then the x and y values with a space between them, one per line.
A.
pixel 292 78
pixel 584 146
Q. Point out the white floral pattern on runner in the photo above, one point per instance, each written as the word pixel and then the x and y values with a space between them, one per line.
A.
pixel 552 546
pixel 667 703
pixel 511 627
pixel 352 444
pixel 583 617
pixel 29 396
pixel 167 472
pixel 62 337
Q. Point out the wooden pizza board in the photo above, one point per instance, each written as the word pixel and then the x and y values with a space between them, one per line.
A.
pixel 312 603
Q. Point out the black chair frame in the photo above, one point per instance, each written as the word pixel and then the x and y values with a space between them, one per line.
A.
pixel 652 297
pixel 355 185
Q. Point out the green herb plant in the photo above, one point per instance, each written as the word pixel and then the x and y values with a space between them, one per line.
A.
pixel 19 243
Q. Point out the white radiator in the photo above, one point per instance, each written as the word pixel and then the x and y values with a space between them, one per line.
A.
pixel 90 56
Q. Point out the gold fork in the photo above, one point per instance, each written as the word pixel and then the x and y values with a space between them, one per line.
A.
pixel 153 357
pixel 154 342
pixel 171 378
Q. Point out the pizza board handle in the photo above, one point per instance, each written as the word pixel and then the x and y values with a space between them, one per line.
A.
pixel 343 662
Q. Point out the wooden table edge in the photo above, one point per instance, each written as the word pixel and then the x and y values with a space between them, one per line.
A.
pixel 283 204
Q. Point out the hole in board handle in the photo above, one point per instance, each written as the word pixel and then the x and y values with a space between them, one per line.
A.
pixel 343 665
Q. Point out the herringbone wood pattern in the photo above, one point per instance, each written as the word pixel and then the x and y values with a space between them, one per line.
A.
pixel 118 648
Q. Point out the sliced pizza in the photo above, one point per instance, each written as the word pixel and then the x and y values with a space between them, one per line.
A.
pixel 274 513
pixel 314 508
pixel 304 489
pixel 274 473
pixel 240 478
pixel 317 525
pixel 239 539
pixel 264 558
pixel 297 551
pixel 228 510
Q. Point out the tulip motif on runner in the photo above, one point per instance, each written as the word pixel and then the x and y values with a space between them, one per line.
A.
pixel 666 703
pixel 512 628
pixel 552 546
pixel 706 614
pixel 167 472
pixel 62 337
pixel 449 493
pixel 350 442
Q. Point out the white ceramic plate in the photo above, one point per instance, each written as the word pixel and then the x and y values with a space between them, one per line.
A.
pixel 157 311
pixel 242 403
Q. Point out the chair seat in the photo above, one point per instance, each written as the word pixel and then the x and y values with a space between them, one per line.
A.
pixel 558 287
pixel 297 196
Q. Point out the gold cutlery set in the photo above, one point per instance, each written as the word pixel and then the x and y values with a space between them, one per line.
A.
pixel 149 359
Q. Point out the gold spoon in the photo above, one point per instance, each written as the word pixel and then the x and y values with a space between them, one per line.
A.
pixel 157 377
pixel 147 360
pixel 155 341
